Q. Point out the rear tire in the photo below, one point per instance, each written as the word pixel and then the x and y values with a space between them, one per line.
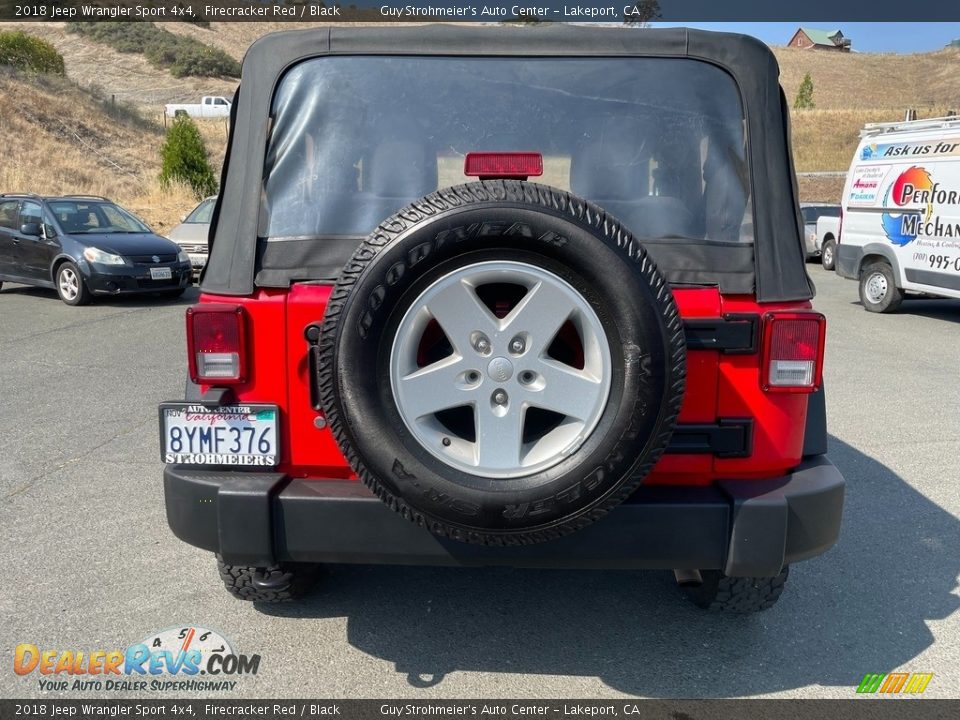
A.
pixel 737 595
pixel 828 255
pixel 878 288
pixel 274 584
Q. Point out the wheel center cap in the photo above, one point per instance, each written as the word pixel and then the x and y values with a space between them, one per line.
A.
pixel 500 369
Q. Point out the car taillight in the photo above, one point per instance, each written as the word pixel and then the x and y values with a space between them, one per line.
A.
pixel 793 351
pixel 216 344
pixel 503 165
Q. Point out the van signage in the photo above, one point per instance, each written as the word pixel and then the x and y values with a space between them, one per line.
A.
pixel 865 186
pixel 949 147
pixel 916 187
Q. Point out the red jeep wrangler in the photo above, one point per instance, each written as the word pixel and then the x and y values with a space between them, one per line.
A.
pixel 408 351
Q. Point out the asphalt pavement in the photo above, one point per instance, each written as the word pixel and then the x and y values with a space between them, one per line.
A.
pixel 91 565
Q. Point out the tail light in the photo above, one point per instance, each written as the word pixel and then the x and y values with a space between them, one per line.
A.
pixel 793 352
pixel 503 165
pixel 216 344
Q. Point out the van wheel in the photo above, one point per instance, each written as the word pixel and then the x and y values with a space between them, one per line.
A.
pixel 878 288
pixel 278 583
pixel 737 595
pixel 828 255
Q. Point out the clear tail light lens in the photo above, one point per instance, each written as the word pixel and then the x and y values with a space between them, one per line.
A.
pixel 216 344
pixel 793 352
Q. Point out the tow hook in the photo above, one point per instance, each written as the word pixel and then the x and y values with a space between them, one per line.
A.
pixel 264 581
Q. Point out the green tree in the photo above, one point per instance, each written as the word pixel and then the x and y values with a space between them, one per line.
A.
pixel 27 52
pixel 642 13
pixel 804 99
pixel 184 156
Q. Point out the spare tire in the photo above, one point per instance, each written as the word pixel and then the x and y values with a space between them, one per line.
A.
pixel 501 362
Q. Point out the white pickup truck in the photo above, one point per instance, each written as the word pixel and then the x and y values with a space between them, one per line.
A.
pixel 828 235
pixel 210 106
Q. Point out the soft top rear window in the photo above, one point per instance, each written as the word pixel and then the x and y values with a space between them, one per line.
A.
pixel 657 142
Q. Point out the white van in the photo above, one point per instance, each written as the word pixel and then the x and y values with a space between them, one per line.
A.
pixel 900 226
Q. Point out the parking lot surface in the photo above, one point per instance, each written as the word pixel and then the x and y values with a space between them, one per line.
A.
pixel 90 563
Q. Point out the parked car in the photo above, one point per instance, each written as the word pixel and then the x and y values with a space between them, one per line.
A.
pixel 83 246
pixel 210 106
pixel 901 224
pixel 191 233
pixel 828 236
pixel 407 352
pixel 811 214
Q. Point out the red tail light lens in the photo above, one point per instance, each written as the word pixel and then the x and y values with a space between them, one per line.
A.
pixel 793 352
pixel 503 165
pixel 216 344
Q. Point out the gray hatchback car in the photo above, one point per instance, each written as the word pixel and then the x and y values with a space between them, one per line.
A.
pixel 191 233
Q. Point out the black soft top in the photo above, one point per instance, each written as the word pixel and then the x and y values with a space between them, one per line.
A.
pixel 779 272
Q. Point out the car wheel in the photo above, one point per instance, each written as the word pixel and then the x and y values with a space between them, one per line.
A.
pixel 736 595
pixel 502 363
pixel 70 285
pixel 878 288
pixel 828 255
pixel 274 584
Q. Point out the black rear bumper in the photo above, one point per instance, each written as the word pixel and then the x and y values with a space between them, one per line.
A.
pixel 746 528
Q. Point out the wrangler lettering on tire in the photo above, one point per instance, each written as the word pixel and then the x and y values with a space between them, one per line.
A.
pixel 501 362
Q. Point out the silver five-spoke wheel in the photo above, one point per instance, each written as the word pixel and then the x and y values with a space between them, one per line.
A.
pixel 69 283
pixel 500 369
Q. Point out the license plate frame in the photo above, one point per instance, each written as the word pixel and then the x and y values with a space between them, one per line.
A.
pixel 262 419
pixel 163 273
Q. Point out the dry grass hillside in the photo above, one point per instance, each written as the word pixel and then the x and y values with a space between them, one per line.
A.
pixel 59 138
pixel 88 147
pixel 128 77
pixel 851 89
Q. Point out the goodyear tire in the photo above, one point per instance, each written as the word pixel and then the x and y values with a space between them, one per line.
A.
pixel 501 362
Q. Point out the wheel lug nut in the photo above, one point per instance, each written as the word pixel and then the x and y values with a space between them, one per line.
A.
pixel 473 376
pixel 482 345
pixel 500 397
pixel 517 345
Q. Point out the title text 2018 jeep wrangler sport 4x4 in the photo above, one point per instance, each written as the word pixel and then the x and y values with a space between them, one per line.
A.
pixel 406 351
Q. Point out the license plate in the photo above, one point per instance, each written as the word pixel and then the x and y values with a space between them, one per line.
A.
pixel 230 435
pixel 160 274
pixel 198 261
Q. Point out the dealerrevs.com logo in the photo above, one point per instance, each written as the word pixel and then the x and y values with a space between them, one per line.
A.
pixel 187 658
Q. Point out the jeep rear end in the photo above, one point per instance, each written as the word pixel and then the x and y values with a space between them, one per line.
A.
pixel 541 292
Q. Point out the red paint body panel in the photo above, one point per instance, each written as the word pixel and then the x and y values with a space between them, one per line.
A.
pixel 718 385
pixel 315 452
pixel 779 419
